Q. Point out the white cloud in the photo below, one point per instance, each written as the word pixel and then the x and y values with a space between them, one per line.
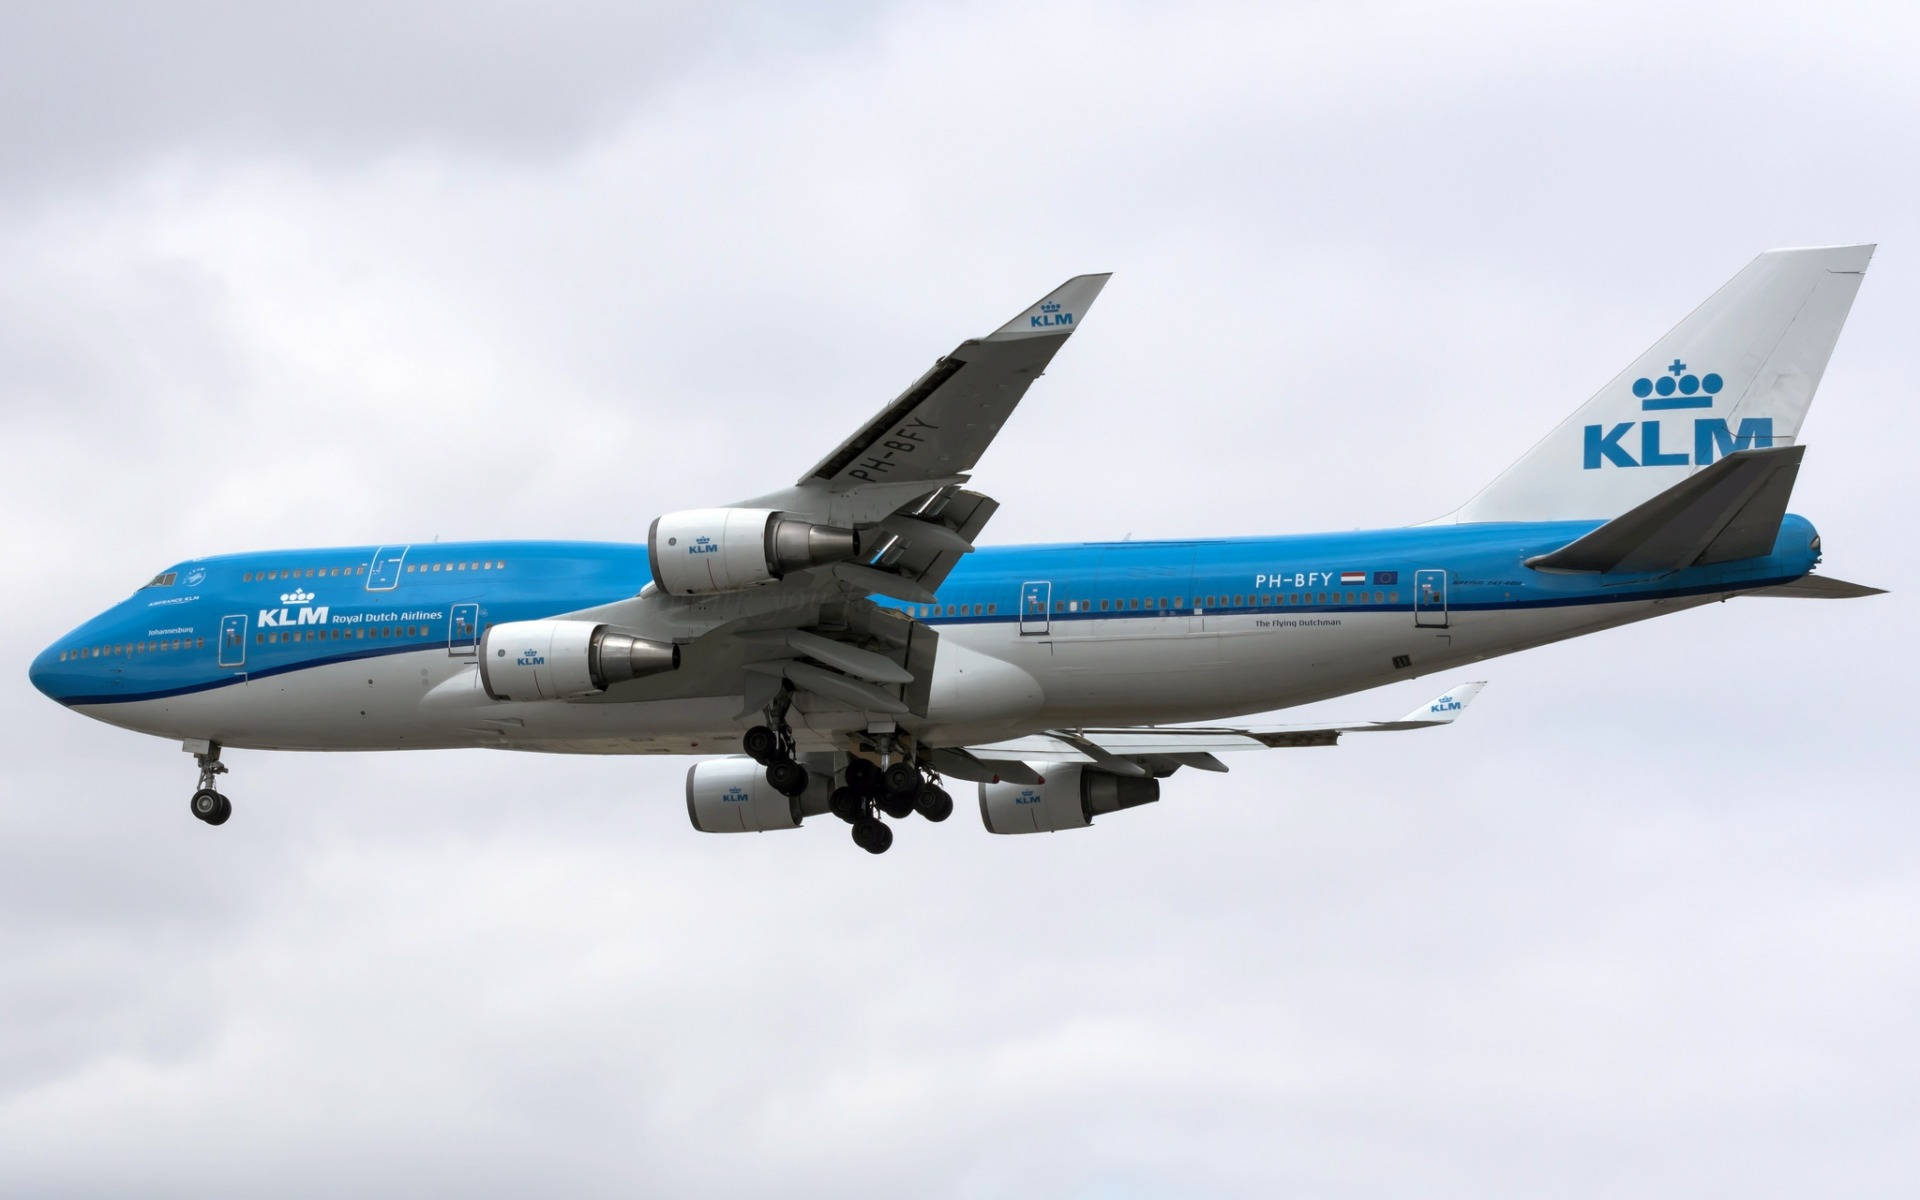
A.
pixel 1639 924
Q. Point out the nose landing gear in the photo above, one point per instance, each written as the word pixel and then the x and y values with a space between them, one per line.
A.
pixel 207 804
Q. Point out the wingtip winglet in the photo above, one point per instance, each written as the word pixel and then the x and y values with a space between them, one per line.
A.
pixel 1059 312
pixel 1446 707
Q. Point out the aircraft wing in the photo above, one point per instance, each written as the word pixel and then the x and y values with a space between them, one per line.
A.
pixel 895 486
pixel 1155 749
pixel 941 425
pixel 897 478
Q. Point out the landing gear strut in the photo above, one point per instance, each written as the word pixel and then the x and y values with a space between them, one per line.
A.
pixel 207 804
pixel 771 745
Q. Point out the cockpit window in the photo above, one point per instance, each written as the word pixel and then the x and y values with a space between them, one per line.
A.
pixel 164 579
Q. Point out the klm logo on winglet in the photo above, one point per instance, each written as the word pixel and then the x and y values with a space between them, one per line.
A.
pixel 1049 316
pixel 1616 445
pixel 1445 704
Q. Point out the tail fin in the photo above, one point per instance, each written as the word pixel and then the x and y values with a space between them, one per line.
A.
pixel 1738 373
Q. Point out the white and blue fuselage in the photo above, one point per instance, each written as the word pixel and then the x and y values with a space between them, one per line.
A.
pixel 373 647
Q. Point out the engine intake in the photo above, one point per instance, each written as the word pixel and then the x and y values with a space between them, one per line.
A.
pixel 732 795
pixel 566 660
pixel 707 550
pixel 1069 799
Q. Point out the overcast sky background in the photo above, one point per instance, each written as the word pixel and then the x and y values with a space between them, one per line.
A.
pixel 281 275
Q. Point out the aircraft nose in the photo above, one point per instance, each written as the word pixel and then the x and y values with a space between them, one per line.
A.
pixel 44 673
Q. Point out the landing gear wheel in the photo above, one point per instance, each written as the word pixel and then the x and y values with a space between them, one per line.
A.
pixel 872 836
pixel 787 777
pixel 862 775
pixel 762 745
pixel 895 806
pixel 933 803
pixel 210 806
pixel 846 805
pixel 900 779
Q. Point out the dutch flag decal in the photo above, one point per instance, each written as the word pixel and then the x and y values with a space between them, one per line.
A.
pixel 1353 577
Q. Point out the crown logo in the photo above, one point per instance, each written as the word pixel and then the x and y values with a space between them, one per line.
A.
pixel 296 596
pixel 1678 388
pixel 1050 307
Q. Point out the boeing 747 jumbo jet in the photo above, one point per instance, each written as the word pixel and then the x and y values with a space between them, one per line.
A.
pixel 848 640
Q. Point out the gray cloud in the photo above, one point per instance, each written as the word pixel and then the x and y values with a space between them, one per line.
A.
pixel 1641 924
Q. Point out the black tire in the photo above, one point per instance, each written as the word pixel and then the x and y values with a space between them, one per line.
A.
pixel 900 779
pixel 787 777
pixel 897 807
pixel 872 836
pixel 761 744
pixel 846 805
pixel 933 803
pixel 862 775
pixel 226 810
pixel 206 805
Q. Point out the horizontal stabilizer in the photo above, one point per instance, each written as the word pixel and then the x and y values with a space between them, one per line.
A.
pixel 1818 587
pixel 1731 510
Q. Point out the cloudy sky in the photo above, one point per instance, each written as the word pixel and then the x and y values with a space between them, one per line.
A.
pixel 295 275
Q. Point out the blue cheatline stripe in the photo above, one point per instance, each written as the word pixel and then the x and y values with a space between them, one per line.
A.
pixel 241 675
pixel 1669 593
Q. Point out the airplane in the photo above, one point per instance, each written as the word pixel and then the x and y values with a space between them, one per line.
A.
pixel 844 648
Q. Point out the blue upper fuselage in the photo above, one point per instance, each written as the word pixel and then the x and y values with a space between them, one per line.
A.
pixel 213 621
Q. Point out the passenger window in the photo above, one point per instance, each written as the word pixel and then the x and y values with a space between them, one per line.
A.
pixel 1393 597
pixel 992 609
pixel 1239 601
pixel 246 577
pixel 501 565
pixel 411 567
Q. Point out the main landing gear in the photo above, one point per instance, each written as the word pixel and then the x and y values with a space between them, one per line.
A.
pixel 771 745
pixel 207 804
pixel 898 790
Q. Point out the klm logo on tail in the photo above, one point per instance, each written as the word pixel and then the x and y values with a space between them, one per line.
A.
pixel 1614 445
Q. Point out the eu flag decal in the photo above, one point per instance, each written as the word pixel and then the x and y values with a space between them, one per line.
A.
pixel 1383 578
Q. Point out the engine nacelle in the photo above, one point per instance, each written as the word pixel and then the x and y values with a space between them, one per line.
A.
pixel 565 660
pixel 707 550
pixel 1071 797
pixel 732 795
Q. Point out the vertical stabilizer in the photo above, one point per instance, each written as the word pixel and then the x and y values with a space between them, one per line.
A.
pixel 1739 373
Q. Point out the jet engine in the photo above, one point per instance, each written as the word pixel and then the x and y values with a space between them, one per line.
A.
pixel 565 660
pixel 707 550
pixel 732 795
pixel 1069 799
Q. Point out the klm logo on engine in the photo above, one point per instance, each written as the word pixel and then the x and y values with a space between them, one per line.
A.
pixel 703 545
pixel 1671 443
pixel 1049 316
pixel 296 608
pixel 530 658
pixel 735 795
pixel 1027 796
